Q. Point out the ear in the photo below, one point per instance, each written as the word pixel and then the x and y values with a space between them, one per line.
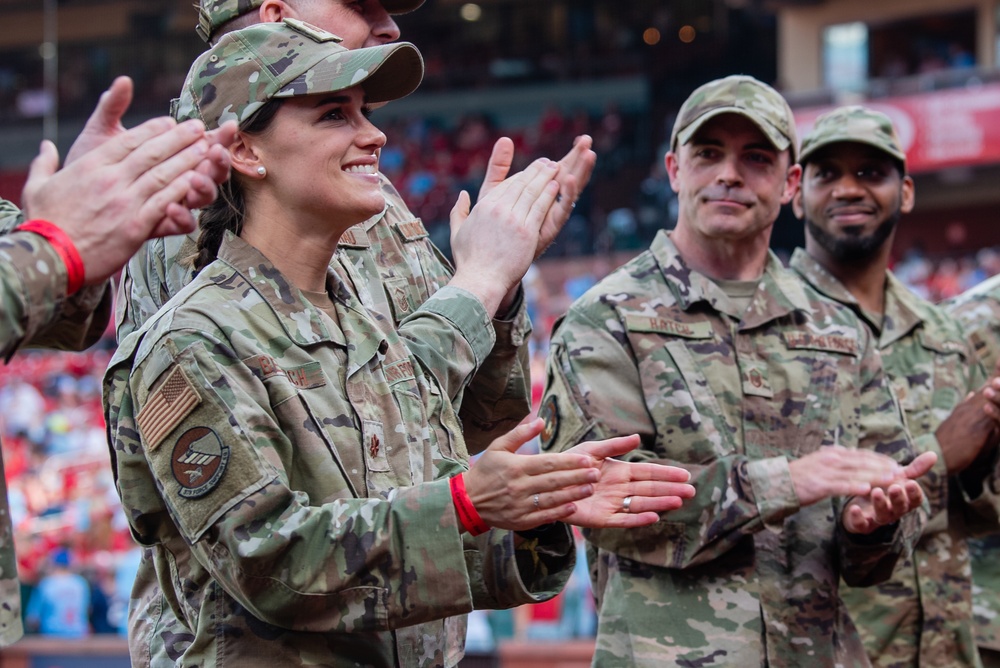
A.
pixel 244 157
pixel 673 166
pixel 797 207
pixel 275 11
pixel 909 192
pixel 792 180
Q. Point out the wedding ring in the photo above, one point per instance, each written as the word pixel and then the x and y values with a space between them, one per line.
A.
pixel 536 500
pixel 626 502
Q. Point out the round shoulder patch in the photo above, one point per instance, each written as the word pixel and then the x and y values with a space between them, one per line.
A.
pixel 198 461
pixel 549 412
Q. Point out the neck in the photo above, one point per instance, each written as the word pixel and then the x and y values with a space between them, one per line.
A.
pixel 865 279
pixel 299 248
pixel 722 259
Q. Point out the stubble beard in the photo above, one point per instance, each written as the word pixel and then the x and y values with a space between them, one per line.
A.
pixel 854 250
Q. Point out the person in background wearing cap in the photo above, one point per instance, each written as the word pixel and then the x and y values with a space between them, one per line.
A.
pixel 299 477
pixel 54 268
pixel 773 397
pixel 978 311
pixel 853 192
pixel 394 265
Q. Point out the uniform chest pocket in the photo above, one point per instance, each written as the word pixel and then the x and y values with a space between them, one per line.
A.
pixel 929 376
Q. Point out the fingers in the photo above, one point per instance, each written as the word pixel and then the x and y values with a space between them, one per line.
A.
pixel 43 166
pixel 184 145
pixel 611 447
pixel 518 436
pixel 459 213
pixel 224 135
pixel 921 465
pixel 105 122
pixel 157 207
pixel 203 189
pixel 146 144
pixel 178 220
pixel 536 197
pixel 498 167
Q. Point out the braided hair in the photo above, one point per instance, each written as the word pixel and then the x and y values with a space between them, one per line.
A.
pixel 228 210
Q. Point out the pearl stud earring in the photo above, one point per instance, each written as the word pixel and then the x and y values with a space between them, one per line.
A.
pixel 262 170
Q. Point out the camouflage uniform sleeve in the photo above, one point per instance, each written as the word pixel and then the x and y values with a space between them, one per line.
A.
pixel 152 276
pixel 292 564
pixel 594 391
pixel 870 559
pixel 429 335
pixel 499 395
pixel 77 322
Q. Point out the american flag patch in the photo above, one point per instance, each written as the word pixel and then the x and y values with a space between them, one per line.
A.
pixel 170 404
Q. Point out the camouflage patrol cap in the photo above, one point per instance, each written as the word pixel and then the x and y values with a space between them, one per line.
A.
pixel 853 124
pixel 737 94
pixel 212 14
pixel 248 67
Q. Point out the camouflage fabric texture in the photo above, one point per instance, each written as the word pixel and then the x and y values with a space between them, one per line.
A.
pixel 741 95
pixel 248 67
pixel 922 616
pixel 741 575
pixel 213 14
pixel 36 313
pixel 855 124
pixel 288 473
pixel 978 310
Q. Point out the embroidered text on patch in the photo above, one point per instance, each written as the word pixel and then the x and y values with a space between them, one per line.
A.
pixel 169 404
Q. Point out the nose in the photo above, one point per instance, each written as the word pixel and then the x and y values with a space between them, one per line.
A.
pixel 848 187
pixel 383 27
pixel 370 137
pixel 729 172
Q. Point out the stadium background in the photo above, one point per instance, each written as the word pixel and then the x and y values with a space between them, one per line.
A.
pixel 540 72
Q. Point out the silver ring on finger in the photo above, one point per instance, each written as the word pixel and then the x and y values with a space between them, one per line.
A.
pixel 535 500
pixel 626 503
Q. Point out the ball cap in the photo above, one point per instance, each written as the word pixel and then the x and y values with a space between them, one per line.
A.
pixel 248 67
pixel 737 94
pixel 853 124
pixel 212 14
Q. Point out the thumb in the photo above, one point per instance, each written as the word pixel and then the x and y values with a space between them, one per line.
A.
pixel 113 104
pixel 521 434
pixel 498 167
pixel 611 447
pixel 921 465
pixel 42 167
pixel 459 213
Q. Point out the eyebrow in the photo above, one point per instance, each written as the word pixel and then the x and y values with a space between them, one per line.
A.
pixel 753 146
pixel 332 99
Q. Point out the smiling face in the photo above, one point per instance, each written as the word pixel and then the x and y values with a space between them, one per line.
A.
pixel 321 156
pixel 851 198
pixel 730 180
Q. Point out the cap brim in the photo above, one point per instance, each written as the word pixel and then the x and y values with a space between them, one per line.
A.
pixel 401 6
pixel 812 148
pixel 386 73
pixel 780 141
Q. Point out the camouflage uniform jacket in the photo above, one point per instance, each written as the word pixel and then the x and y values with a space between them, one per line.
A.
pixel 391 251
pixel 37 313
pixel 282 470
pixel 922 616
pixel 742 575
pixel 978 311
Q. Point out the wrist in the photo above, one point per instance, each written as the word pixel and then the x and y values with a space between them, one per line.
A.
pixel 63 247
pixel 468 517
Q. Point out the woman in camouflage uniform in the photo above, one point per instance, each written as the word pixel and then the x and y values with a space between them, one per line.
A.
pixel 290 460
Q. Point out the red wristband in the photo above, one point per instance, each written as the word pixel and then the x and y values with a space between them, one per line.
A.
pixel 467 515
pixel 63 246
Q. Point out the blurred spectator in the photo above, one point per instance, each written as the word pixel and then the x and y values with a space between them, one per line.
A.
pixel 60 604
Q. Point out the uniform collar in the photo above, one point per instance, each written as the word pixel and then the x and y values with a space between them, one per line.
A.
pixel 778 293
pixel 302 321
pixel 902 312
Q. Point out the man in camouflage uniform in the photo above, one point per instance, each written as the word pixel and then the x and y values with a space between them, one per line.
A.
pixel 854 189
pixel 774 398
pixel 389 259
pixel 978 311
pixel 284 456
pixel 124 203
